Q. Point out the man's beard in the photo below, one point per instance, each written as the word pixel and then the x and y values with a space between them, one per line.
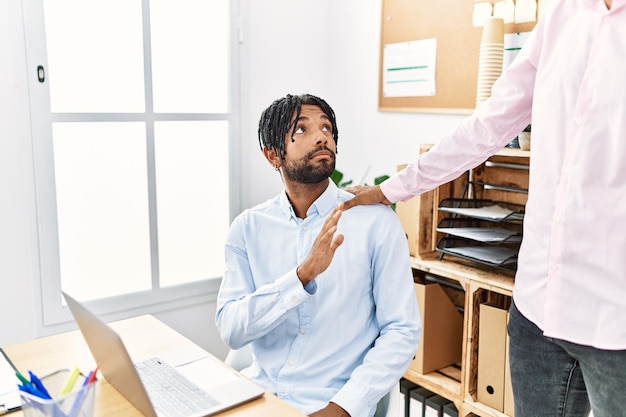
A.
pixel 303 172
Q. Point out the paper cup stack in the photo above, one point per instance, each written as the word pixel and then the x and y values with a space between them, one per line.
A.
pixel 490 58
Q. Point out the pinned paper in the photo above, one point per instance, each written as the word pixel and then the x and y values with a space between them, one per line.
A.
pixel 505 9
pixel 482 12
pixel 410 68
pixel 513 43
pixel 525 11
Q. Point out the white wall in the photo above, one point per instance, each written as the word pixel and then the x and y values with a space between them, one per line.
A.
pixel 321 47
pixel 371 141
pixel 331 49
pixel 18 234
pixel 285 50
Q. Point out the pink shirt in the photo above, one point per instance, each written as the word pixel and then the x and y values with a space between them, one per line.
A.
pixel 571 76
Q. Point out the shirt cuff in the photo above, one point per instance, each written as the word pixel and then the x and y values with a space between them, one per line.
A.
pixel 352 399
pixel 293 292
pixel 393 189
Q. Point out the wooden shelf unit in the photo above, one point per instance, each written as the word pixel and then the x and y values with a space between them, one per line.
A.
pixel 480 282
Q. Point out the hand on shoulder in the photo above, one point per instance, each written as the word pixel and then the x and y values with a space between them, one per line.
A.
pixel 364 194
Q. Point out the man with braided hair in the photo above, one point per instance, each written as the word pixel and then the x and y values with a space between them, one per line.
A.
pixel 327 306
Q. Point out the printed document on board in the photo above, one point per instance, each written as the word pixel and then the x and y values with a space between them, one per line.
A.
pixel 409 68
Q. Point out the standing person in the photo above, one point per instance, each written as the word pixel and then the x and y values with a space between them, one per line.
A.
pixel 327 306
pixel 567 323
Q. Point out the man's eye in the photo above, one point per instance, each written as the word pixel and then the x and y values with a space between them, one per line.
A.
pixel 299 130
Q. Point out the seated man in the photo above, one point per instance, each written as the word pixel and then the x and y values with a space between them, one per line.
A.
pixel 328 306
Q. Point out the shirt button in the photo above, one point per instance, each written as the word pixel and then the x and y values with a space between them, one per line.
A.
pixel 291 362
pixel 578 120
pixel 283 390
pixel 305 228
pixel 302 331
pixel 296 299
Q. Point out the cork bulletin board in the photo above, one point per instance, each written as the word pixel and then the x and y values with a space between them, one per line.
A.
pixel 458 45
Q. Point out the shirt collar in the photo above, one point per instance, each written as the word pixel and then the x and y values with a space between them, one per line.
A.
pixel 324 204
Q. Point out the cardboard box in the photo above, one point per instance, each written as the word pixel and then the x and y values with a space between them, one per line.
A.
pixel 417 401
pixel 416 217
pixel 508 389
pixel 441 344
pixel 491 355
pixel 407 211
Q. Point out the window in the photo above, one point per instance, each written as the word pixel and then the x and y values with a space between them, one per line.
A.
pixel 132 123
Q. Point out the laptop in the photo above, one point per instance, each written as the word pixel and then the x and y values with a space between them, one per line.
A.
pixel 115 364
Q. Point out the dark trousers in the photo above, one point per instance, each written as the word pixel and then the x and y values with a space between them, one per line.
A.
pixel 554 378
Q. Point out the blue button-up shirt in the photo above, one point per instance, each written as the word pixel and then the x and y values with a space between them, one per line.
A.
pixel 349 335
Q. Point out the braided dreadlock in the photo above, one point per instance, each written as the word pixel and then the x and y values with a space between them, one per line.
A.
pixel 275 121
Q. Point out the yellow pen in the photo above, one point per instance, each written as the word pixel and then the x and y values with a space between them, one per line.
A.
pixel 71 380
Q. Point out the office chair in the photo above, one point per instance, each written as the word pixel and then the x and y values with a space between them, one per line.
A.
pixel 388 406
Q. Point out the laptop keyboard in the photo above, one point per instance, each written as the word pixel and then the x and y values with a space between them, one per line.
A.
pixel 170 392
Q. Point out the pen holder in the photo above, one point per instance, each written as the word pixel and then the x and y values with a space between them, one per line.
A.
pixel 77 403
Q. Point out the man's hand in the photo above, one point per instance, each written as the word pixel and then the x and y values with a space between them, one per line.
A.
pixel 331 410
pixel 323 250
pixel 365 194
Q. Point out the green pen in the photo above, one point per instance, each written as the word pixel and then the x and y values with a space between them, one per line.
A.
pixel 21 378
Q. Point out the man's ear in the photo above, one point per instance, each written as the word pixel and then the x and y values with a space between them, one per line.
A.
pixel 272 157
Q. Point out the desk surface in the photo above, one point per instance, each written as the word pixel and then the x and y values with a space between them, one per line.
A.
pixel 143 336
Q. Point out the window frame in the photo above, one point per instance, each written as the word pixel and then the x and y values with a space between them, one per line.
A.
pixel 54 311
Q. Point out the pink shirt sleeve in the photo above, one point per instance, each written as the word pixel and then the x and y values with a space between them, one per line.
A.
pixel 494 124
